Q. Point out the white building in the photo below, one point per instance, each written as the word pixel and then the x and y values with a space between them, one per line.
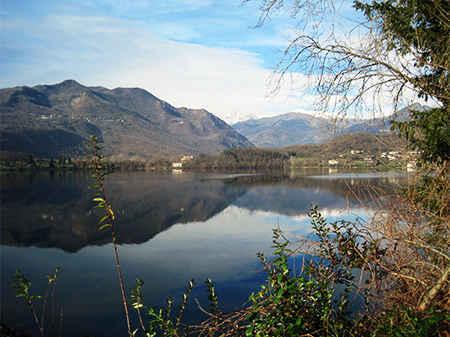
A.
pixel 177 165
pixel 333 162
pixel 186 158
pixel 411 166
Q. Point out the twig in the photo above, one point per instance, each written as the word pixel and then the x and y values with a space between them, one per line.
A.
pixel 430 295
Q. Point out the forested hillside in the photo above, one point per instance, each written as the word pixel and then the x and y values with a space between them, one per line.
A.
pixel 57 120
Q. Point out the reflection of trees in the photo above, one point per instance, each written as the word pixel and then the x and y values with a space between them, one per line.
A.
pixel 56 211
pixel 295 195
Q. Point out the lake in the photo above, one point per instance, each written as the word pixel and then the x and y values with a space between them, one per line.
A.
pixel 171 228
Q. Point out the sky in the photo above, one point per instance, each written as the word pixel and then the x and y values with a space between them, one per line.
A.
pixel 193 53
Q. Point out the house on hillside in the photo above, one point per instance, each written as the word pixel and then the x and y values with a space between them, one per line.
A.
pixel 333 162
pixel 411 166
pixel 186 158
pixel 391 155
pixel 177 165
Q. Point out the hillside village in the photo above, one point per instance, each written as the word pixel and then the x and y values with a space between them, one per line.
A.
pixel 359 158
pixel 349 151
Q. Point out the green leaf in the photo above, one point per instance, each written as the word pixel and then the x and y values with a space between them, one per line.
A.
pixel 103 219
pixel 104 226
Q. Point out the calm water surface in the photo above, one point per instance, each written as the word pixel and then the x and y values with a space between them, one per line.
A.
pixel 171 228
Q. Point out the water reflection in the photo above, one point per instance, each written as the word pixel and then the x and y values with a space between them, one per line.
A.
pixel 56 211
pixel 295 196
pixel 172 228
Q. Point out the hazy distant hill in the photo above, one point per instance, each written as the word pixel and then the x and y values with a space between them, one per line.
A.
pixel 283 130
pixel 297 128
pixel 55 120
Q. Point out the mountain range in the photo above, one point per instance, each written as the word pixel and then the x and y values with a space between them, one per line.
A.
pixel 57 120
pixel 298 128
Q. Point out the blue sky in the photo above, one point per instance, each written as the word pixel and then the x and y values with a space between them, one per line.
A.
pixel 194 53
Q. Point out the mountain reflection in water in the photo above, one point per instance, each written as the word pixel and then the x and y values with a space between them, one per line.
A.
pixel 56 211
pixel 171 229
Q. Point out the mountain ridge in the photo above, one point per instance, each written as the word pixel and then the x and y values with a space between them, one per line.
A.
pixel 295 128
pixel 57 119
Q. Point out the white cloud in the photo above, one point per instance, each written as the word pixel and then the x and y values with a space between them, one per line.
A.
pixel 230 83
pixel 150 44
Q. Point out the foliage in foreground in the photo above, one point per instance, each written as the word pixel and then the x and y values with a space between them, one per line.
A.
pixel 386 279
pixel 39 313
